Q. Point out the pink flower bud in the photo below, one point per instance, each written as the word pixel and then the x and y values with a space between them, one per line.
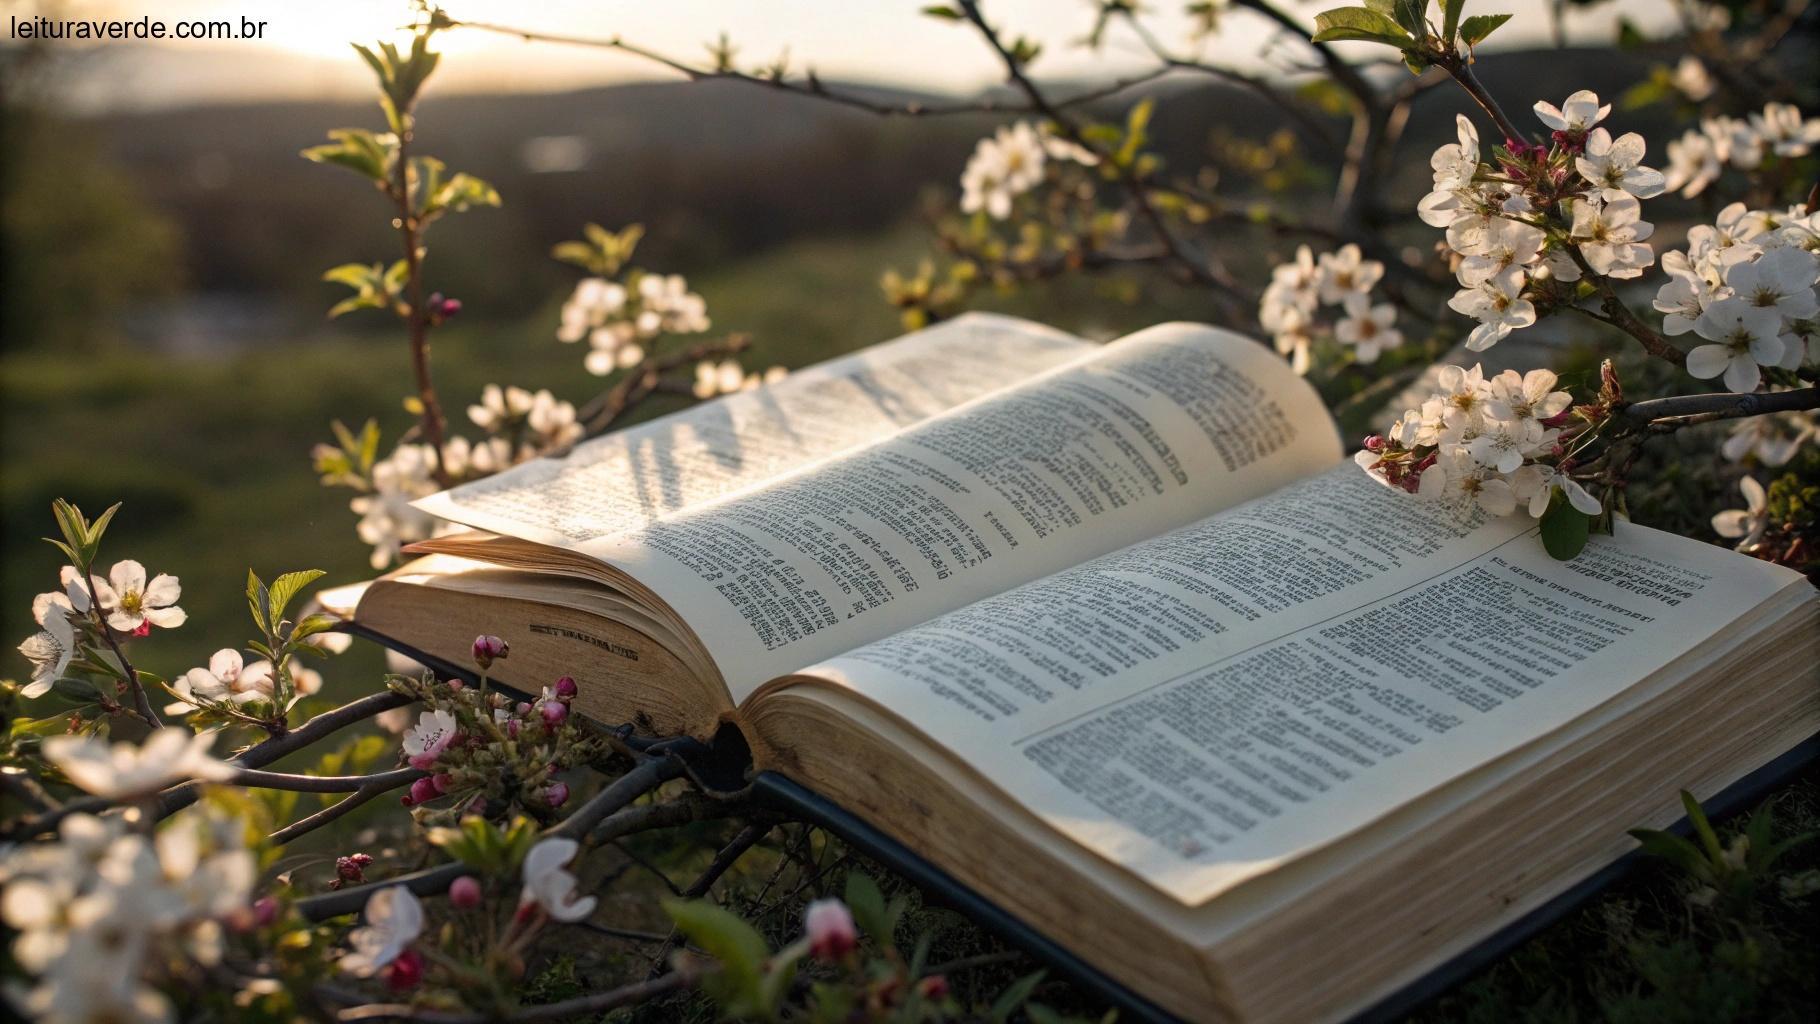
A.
pixel 488 649
pixel 565 688
pixel 265 911
pixel 424 789
pixel 405 800
pixel 455 685
pixel 933 988
pixel 406 972
pixel 464 893
pixel 352 868
pixel 832 934
pixel 556 794
pixel 1374 443
pixel 422 762
pixel 443 782
pixel 554 712
pixel 512 728
pixel 523 708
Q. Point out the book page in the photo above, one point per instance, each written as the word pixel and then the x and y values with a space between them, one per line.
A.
pixel 628 478
pixel 1127 442
pixel 1201 707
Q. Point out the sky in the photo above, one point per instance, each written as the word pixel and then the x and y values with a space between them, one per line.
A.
pixel 304 50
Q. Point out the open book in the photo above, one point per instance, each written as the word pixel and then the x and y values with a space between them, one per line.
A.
pixel 1115 636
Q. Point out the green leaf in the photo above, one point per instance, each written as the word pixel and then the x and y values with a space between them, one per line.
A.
pixel 286 587
pixel 1450 20
pixel 1014 996
pixel 738 947
pixel 256 599
pixel 942 11
pixel 1674 849
pixel 1696 816
pixel 1564 528
pixel 868 906
pixel 1412 15
pixel 1359 23
pixel 1474 29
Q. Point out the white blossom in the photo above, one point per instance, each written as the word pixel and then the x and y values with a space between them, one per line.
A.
pixel 1367 328
pixel 1772 439
pixel 727 377
pixel 1481 441
pixel 1579 114
pixel 387 519
pixel 134 605
pixel 1498 305
pixel 1734 141
pixel 1780 279
pixel 1003 166
pixel 1782 129
pixel 552 420
pixel 434 730
pixel 124 770
pixel 1744 338
pixel 549 885
pixel 1345 272
pixel 1692 78
pixel 94 909
pixel 1527 397
pixel 1505 243
pixel 1611 236
pixel 51 649
pixel 1615 166
pixel 589 306
pixel 500 408
pixel 1746 525
pixel 1693 164
pixel 394 920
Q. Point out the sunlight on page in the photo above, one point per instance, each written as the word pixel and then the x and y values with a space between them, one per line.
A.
pixel 1201 706
pixel 626 479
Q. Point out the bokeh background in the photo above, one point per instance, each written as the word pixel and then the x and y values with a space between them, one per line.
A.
pixel 162 336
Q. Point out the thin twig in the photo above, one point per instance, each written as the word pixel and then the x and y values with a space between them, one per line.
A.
pixel 297 783
pixel 334 811
pixel 812 86
pixel 142 705
pixel 1723 405
pixel 729 855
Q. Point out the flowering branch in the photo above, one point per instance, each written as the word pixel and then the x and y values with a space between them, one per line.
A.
pixel 600 415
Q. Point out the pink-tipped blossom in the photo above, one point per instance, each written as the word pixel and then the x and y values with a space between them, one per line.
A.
pixel 832 934
pixel 565 688
pixel 556 794
pixel 554 713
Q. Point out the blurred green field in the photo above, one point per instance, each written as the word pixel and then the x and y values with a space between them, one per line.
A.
pixel 210 455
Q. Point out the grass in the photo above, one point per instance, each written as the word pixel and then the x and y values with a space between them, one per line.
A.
pixel 210 457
